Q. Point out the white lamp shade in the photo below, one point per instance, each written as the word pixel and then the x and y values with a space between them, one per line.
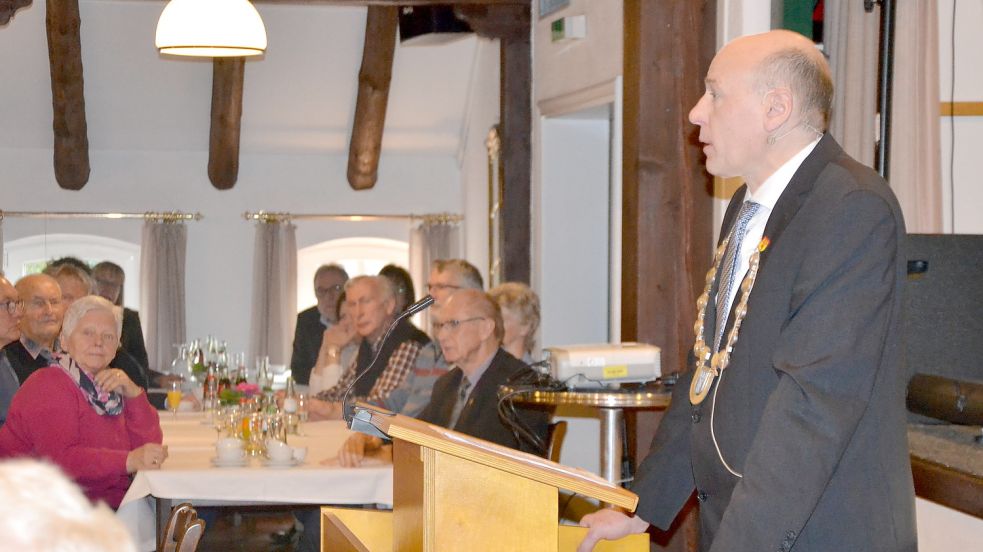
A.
pixel 210 28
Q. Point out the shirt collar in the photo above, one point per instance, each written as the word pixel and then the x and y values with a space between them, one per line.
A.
pixel 771 189
pixel 34 348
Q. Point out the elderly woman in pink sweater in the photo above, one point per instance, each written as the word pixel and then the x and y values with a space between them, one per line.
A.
pixel 88 418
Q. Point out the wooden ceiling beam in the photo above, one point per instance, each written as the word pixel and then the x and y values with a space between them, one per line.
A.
pixel 228 75
pixel 8 7
pixel 71 145
pixel 373 96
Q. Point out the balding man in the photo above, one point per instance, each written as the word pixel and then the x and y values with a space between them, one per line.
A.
pixel 793 437
pixel 465 399
pixel 372 307
pixel 329 282
pixel 39 326
pixel 11 311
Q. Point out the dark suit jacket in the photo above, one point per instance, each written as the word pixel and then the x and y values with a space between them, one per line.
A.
pixel 811 409
pixel 480 418
pixel 307 342
pixel 131 339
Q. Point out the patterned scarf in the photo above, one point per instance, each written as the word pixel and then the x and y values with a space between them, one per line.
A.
pixel 104 403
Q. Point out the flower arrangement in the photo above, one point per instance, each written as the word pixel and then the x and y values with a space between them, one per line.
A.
pixel 234 395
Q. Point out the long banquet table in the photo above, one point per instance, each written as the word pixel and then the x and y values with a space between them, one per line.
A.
pixel 188 475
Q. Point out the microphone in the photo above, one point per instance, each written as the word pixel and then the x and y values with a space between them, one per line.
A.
pixel 348 410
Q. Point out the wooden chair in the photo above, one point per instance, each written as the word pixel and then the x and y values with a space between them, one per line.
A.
pixel 188 540
pixel 180 526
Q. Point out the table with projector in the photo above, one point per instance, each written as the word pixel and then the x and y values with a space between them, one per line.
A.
pixel 611 378
pixel 194 472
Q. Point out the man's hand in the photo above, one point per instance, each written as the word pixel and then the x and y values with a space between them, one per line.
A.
pixel 609 524
pixel 355 448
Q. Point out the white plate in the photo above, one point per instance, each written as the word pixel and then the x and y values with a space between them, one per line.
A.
pixel 234 463
pixel 289 463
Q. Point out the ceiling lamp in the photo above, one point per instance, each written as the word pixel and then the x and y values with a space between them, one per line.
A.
pixel 210 28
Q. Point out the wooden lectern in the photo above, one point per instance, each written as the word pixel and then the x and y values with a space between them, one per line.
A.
pixel 455 492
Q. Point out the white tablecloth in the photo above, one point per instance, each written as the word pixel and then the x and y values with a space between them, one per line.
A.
pixel 188 474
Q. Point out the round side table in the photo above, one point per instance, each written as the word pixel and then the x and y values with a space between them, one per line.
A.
pixel 611 403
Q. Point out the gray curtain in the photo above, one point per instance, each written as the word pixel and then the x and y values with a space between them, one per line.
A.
pixel 162 309
pixel 850 37
pixel 274 307
pixel 916 167
pixel 433 237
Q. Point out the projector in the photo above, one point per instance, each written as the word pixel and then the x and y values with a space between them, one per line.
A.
pixel 603 365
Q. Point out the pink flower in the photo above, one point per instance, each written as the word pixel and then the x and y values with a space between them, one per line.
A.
pixel 248 389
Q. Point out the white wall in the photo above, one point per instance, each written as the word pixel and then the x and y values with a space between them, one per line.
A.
pixel 220 247
pixel 962 196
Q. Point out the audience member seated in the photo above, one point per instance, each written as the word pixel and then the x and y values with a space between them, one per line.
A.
pixel 338 348
pixel 520 313
pixel 40 509
pixel 402 285
pixel 90 419
pixel 109 279
pixel 470 329
pixel 373 305
pixel 76 282
pixel 38 327
pixel 329 282
pixel 11 310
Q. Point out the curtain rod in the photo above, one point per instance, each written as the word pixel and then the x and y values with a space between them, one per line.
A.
pixel 172 216
pixel 264 216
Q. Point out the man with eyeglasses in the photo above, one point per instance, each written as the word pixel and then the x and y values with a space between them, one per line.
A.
pixel 329 282
pixel 11 310
pixel 39 327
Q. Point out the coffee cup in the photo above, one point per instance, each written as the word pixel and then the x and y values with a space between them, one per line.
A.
pixel 229 448
pixel 278 451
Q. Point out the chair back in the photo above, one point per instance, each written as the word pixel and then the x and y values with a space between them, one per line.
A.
pixel 183 517
pixel 188 541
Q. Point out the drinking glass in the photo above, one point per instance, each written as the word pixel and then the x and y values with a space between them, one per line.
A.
pixel 174 396
pixel 302 403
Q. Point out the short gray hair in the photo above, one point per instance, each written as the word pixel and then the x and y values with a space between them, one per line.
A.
pixel 71 271
pixel 470 276
pixel 381 283
pixel 42 509
pixel 85 305
pixel 336 268
pixel 807 73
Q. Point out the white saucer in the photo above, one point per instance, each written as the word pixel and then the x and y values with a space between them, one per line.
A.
pixel 234 463
pixel 288 463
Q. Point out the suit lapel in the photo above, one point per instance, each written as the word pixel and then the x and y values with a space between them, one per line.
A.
pixel 798 190
pixel 447 406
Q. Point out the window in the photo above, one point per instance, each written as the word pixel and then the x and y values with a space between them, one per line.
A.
pixel 29 256
pixel 358 255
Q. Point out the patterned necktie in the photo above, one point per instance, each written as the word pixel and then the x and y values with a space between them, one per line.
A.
pixel 462 398
pixel 729 266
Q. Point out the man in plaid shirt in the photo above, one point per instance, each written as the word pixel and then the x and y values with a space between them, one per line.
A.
pixel 372 304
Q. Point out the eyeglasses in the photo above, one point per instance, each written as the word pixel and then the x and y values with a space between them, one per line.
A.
pixel 441 287
pixel 12 306
pixel 322 291
pixel 453 324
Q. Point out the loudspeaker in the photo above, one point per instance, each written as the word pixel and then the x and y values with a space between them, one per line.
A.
pixel 428 25
pixel 944 306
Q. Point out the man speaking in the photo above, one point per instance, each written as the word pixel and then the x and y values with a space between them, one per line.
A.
pixel 791 428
